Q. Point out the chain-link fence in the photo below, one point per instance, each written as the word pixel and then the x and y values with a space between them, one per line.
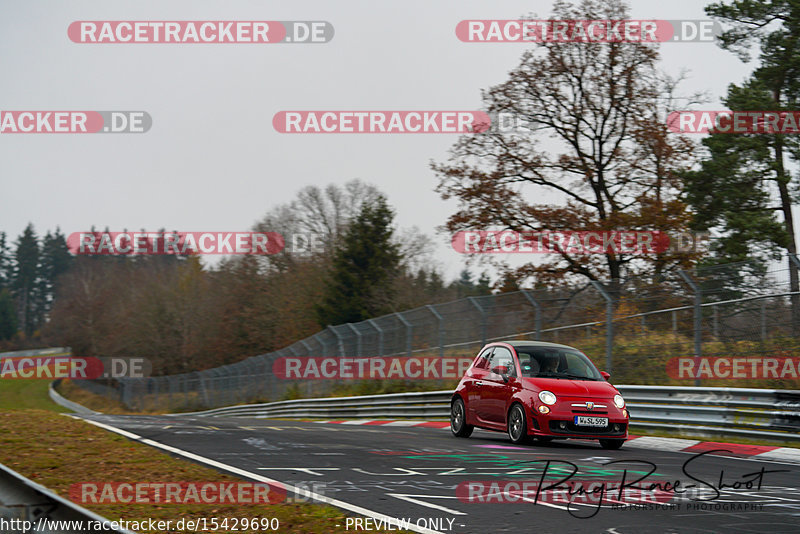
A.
pixel 661 329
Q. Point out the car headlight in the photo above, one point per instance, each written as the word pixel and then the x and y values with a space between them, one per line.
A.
pixel 619 402
pixel 547 397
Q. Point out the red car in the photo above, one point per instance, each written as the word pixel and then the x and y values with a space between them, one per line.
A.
pixel 542 390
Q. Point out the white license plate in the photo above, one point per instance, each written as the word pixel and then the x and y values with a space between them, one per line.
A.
pixel 581 420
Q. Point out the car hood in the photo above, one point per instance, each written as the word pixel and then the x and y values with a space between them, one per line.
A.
pixel 571 388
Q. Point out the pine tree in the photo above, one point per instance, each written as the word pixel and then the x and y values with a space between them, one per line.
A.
pixel 8 316
pixel 55 261
pixel 24 283
pixel 364 269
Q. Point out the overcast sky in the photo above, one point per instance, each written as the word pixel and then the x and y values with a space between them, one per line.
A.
pixel 212 160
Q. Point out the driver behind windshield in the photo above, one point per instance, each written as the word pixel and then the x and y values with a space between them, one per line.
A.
pixel 549 366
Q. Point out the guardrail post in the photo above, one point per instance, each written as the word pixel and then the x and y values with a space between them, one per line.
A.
pixel 440 321
pixel 358 338
pixel 698 319
pixel 609 324
pixel 380 335
pixel 409 329
pixel 538 307
pixel 484 320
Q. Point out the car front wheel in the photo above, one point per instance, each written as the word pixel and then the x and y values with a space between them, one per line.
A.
pixel 517 427
pixel 458 420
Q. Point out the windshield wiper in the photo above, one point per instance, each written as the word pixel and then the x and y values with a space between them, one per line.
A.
pixel 564 375
pixel 578 377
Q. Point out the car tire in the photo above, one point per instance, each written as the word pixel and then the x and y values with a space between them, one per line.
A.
pixel 517 425
pixel 611 444
pixel 458 420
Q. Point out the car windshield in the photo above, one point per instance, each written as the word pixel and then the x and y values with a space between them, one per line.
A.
pixel 554 362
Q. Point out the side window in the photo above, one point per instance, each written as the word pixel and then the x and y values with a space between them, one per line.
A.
pixel 502 358
pixel 482 362
pixel 528 364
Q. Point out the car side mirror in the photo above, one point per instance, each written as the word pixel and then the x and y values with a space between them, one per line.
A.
pixel 605 375
pixel 501 370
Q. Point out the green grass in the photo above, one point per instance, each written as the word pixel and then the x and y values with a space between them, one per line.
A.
pixel 26 395
pixel 70 451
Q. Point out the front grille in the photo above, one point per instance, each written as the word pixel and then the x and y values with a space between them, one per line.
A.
pixel 571 428
pixel 592 412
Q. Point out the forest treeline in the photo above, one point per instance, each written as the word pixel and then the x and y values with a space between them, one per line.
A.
pixel 185 313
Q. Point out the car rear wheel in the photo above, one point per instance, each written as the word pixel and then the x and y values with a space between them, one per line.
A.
pixel 517 427
pixel 458 420
pixel 612 444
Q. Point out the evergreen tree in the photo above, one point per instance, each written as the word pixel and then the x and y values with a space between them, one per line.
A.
pixel 8 316
pixel 55 261
pixel 5 261
pixel 24 283
pixel 729 193
pixel 364 268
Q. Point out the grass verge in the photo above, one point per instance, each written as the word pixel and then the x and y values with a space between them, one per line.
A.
pixel 71 451
pixel 26 394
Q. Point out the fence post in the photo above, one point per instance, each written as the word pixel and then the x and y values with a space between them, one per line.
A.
pixel 323 346
pixel 698 319
pixel 716 321
pixel 609 324
pixel 380 335
pixel 538 307
pixel 674 323
pixel 306 346
pixel 339 340
pixel 484 322
pixel 358 338
pixel 440 321
pixel 409 328
pixel 794 299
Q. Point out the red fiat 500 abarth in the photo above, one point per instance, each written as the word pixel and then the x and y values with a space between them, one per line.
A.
pixel 542 390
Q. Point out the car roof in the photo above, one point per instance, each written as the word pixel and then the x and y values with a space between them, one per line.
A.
pixel 524 343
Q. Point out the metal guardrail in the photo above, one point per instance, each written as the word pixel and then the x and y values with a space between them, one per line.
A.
pixel 705 411
pixel 51 351
pixel 22 499
pixel 66 403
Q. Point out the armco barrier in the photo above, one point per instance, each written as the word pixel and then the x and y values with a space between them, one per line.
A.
pixel 24 500
pixel 710 412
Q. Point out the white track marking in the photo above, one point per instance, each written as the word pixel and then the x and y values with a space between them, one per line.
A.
pixel 255 476
pixel 416 500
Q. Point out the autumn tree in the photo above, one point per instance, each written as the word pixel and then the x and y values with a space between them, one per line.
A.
pixel 596 154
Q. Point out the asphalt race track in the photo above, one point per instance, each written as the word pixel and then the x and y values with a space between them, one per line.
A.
pixel 414 473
